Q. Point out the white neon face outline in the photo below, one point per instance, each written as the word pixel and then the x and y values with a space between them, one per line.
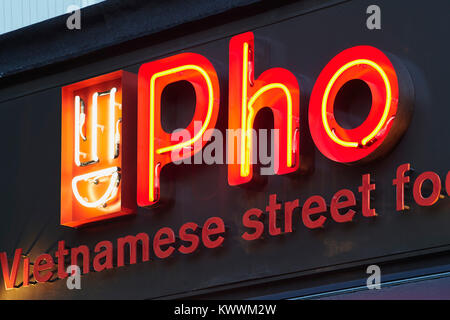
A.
pixel 94 126
pixel 113 172
pixel 77 131
pixel 113 138
pixel 111 123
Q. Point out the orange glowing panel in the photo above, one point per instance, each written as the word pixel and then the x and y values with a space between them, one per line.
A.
pixel 155 148
pixel 275 88
pixel 98 149
pixel 389 114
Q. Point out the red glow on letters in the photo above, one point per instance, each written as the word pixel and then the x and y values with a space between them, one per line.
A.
pixel 275 88
pixel 351 145
pixel 154 144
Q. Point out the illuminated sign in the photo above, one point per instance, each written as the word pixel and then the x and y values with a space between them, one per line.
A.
pixel 94 123
pixel 389 113
pixel 155 148
pixel 97 127
pixel 277 89
pixel 114 148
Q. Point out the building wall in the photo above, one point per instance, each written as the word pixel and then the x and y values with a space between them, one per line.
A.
pixel 301 36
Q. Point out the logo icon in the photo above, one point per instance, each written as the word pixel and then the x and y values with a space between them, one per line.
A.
pixel 95 117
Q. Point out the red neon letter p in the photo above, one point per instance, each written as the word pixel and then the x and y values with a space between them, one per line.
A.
pixel 155 148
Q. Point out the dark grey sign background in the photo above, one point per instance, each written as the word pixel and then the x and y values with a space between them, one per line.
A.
pixel 300 40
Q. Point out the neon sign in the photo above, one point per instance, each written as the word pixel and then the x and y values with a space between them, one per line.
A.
pixel 95 131
pixel 277 89
pixel 389 113
pixel 94 123
pixel 154 145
